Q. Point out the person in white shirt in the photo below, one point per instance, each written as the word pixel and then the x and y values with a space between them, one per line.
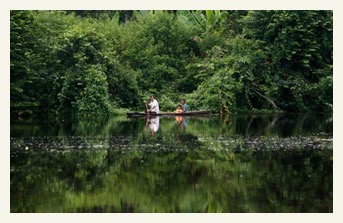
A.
pixel 154 107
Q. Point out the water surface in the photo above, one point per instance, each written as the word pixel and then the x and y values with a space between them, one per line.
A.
pixel 238 164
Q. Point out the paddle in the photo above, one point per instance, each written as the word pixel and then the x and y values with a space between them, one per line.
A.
pixel 147 111
pixel 146 107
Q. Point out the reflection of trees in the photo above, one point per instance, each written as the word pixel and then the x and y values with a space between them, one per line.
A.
pixel 201 169
pixel 152 178
pixel 277 124
pixel 287 180
pixel 245 125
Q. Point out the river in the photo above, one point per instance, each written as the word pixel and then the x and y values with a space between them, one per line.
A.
pixel 212 164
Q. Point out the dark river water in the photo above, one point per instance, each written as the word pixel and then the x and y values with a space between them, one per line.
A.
pixel 233 164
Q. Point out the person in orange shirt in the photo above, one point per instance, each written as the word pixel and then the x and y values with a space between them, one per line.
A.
pixel 179 109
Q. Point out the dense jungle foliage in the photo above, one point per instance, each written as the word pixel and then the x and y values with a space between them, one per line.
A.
pixel 108 62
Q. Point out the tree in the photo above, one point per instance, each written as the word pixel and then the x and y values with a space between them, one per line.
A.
pixel 298 45
pixel 156 49
pixel 229 77
pixel 22 55
pixel 229 61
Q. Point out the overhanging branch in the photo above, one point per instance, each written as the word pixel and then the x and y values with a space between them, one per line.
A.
pixel 268 99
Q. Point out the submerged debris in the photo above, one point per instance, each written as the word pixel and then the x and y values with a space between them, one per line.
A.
pixel 128 144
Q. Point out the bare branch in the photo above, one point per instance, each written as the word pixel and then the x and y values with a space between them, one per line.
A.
pixel 268 99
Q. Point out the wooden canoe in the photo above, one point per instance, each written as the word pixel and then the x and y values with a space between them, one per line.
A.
pixel 190 113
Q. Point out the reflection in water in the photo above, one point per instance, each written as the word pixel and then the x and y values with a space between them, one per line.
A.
pixel 181 121
pixel 154 123
pixel 241 164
